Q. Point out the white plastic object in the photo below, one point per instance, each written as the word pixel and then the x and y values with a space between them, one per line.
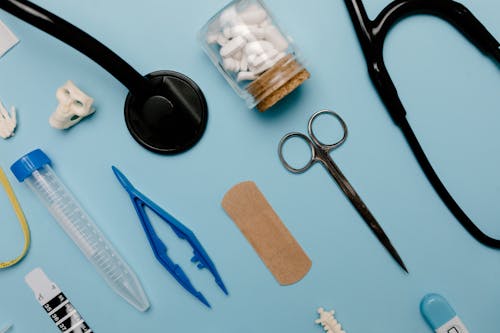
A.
pixel 42 287
pixel 328 321
pixel 274 36
pixel 253 14
pixel 231 65
pixel 257 60
pixel 244 65
pixel 74 105
pixel 246 76
pixel 257 48
pixel 233 46
pixel 8 122
pixel 227 32
pixel 221 40
pixel 7 39
pixel 212 38
pixel 249 32
pixel 79 226
pixel 55 303
pixel 238 55
pixel 229 16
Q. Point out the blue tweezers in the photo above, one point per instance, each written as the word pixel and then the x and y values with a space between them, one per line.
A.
pixel 200 257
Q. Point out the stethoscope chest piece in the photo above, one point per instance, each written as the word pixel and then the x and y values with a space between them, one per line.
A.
pixel 170 117
pixel 165 111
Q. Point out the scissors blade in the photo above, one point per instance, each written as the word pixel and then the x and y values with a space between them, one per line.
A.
pixel 360 207
pixel 382 237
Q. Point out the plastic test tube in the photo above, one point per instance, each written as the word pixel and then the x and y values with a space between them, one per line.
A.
pixel 34 169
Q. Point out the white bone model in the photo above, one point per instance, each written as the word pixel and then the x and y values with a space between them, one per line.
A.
pixel 8 122
pixel 74 105
pixel 330 324
pixel 249 43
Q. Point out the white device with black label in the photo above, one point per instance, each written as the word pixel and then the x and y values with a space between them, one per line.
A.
pixel 55 303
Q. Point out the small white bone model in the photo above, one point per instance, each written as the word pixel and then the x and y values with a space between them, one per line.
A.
pixel 8 122
pixel 330 324
pixel 74 105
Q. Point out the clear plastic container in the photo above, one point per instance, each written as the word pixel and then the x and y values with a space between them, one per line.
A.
pixel 35 170
pixel 248 48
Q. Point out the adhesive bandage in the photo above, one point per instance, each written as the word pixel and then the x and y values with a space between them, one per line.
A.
pixel 267 234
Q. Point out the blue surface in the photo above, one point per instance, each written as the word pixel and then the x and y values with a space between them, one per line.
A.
pixel 436 310
pixel 452 95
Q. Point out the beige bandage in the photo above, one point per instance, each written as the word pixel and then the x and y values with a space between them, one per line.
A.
pixel 265 231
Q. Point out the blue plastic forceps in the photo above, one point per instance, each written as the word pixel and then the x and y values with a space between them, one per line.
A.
pixel 320 153
pixel 201 257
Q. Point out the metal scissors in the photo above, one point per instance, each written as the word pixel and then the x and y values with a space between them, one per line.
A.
pixel 371 35
pixel 320 152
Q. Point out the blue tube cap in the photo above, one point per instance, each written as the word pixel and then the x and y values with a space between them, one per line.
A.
pixel 29 163
pixel 436 310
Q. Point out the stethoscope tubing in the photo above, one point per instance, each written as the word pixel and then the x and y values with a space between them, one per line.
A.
pixel 443 193
pixel 79 40
pixel 371 35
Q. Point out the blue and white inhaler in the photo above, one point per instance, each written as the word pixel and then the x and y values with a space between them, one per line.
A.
pixel 440 315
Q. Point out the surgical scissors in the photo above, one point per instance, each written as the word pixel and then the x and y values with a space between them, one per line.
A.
pixel 320 152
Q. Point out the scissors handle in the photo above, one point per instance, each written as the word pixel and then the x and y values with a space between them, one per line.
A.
pixel 303 137
pixel 325 146
pixel 317 146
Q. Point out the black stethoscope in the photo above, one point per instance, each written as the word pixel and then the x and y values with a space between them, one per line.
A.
pixel 371 35
pixel 165 111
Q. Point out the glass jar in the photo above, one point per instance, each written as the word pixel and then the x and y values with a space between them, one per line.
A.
pixel 248 48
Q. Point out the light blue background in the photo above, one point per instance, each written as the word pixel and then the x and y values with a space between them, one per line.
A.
pixel 451 92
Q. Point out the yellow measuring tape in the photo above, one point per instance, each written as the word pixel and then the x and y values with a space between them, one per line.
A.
pixel 20 216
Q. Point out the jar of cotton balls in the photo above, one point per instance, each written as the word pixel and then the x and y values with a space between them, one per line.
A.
pixel 254 55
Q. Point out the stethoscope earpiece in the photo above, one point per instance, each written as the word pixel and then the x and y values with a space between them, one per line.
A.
pixel 170 116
